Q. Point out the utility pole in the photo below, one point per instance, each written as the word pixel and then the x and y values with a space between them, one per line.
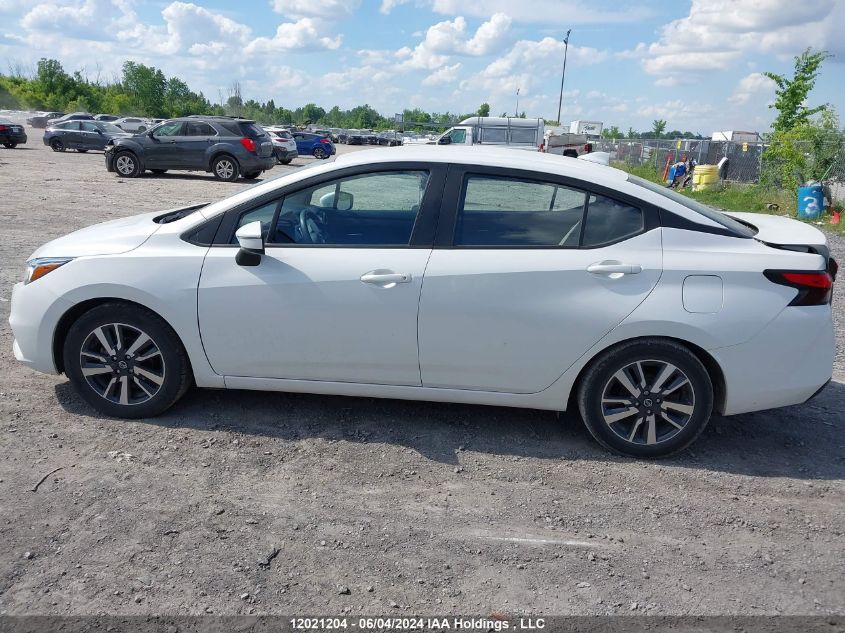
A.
pixel 563 74
pixel 516 113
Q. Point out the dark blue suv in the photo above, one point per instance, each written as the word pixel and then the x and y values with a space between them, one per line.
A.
pixel 315 145
pixel 225 146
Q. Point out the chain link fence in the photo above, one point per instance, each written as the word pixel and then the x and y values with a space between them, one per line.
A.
pixel 746 161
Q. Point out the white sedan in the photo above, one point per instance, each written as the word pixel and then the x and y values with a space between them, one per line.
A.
pixel 470 275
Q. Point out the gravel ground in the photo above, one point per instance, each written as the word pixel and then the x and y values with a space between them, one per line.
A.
pixel 239 502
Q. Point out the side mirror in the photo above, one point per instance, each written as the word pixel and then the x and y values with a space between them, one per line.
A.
pixel 251 240
pixel 345 200
pixel 444 140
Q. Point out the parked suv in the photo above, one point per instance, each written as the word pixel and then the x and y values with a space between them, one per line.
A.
pixel 224 146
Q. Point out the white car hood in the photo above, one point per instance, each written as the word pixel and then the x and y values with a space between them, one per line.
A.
pixel 108 238
pixel 777 229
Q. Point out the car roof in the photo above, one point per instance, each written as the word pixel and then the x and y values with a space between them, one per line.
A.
pixel 490 157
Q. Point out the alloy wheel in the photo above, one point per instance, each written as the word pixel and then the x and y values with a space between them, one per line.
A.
pixel 224 169
pixel 648 402
pixel 122 364
pixel 124 164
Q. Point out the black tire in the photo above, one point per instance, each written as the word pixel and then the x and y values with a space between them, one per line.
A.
pixel 10 145
pixel 56 145
pixel 648 357
pixel 127 165
pixel 159 171
pixel 172 362
pixel 286 161
pixel 142 128
pixel 225 168
pixel 570 153
pixel 81 151
pixel 252 175
pixel 320 153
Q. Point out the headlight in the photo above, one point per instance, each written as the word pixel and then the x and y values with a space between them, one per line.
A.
pixel 37 268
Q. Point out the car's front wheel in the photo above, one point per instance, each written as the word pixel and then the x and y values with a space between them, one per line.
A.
pixel 647 398
pixel 56 145
pixel 126 164
pixel 125 361
pixel 225 168
pixel 10 145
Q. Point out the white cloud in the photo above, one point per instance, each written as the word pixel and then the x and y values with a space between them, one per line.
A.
pixel 388 5
pixel 445 75
pixel 85 19
pixel 751 85
pixel 328 9
pixel 303 35
pixel 562 12
pixel 450 37
pixel 718 33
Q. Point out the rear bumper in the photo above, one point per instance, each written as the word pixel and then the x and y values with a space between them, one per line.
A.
pixel 787 363
pixel 284 154
pixel 253 163
pixel 19 138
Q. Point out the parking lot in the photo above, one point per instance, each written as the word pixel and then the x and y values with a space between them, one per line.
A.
pixel 242 502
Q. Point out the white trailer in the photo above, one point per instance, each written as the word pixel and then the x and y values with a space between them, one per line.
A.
pixel 590 128
pixel 512 132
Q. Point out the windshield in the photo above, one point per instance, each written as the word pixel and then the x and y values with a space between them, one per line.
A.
pixel 693 205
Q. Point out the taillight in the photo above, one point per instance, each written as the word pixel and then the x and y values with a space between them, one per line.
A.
pixel 815 288
pixel 248 144
pixel 325 140
pixel 4 128
pixel 588 148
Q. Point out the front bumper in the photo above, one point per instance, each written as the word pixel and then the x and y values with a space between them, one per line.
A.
pixel 34 315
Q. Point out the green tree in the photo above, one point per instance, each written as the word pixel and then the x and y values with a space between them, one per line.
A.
pixel 146 86
pixel 484 109
pixel 612 132
pixel 658 126
pixel 791 94
pixel 632 133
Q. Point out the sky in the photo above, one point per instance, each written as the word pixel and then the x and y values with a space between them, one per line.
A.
pixel 697 64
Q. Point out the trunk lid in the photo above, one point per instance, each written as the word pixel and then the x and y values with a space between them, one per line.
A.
pixel 783 232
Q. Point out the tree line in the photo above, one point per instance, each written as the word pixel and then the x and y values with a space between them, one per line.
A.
pixel 146 91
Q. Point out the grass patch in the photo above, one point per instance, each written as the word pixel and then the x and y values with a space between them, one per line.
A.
pixel 737 197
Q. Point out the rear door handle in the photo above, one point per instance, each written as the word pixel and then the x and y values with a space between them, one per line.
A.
pixel 611 267
pixel 385 279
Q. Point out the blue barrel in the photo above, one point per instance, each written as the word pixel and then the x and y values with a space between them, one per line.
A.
pixel 810 202
pixel 671 174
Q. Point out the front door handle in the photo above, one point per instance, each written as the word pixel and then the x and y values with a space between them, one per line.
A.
pixel 608 267
pixel 385 278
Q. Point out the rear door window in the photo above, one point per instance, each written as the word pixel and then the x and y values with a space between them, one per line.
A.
pixel 199 128
pixel 610 221
pixel 508 212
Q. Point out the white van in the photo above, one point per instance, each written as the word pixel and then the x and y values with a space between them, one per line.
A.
pixel 494 130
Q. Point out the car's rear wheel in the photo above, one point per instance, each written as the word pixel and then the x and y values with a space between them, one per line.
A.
pixel 126 164
pixel 10 145
pixel 56 145
pixel 251 175
pixel 286 161
pixel 159 171
pixel 126 361
pixel 81 151
pixel 648 398
pixel 225 168
pixel 142 128
pixel 319 152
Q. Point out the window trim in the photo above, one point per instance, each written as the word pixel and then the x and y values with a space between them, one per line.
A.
pixel 425 225
pixel 455 190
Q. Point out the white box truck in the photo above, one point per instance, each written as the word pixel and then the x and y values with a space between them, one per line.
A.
pixel 510 132
pixel 590 128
